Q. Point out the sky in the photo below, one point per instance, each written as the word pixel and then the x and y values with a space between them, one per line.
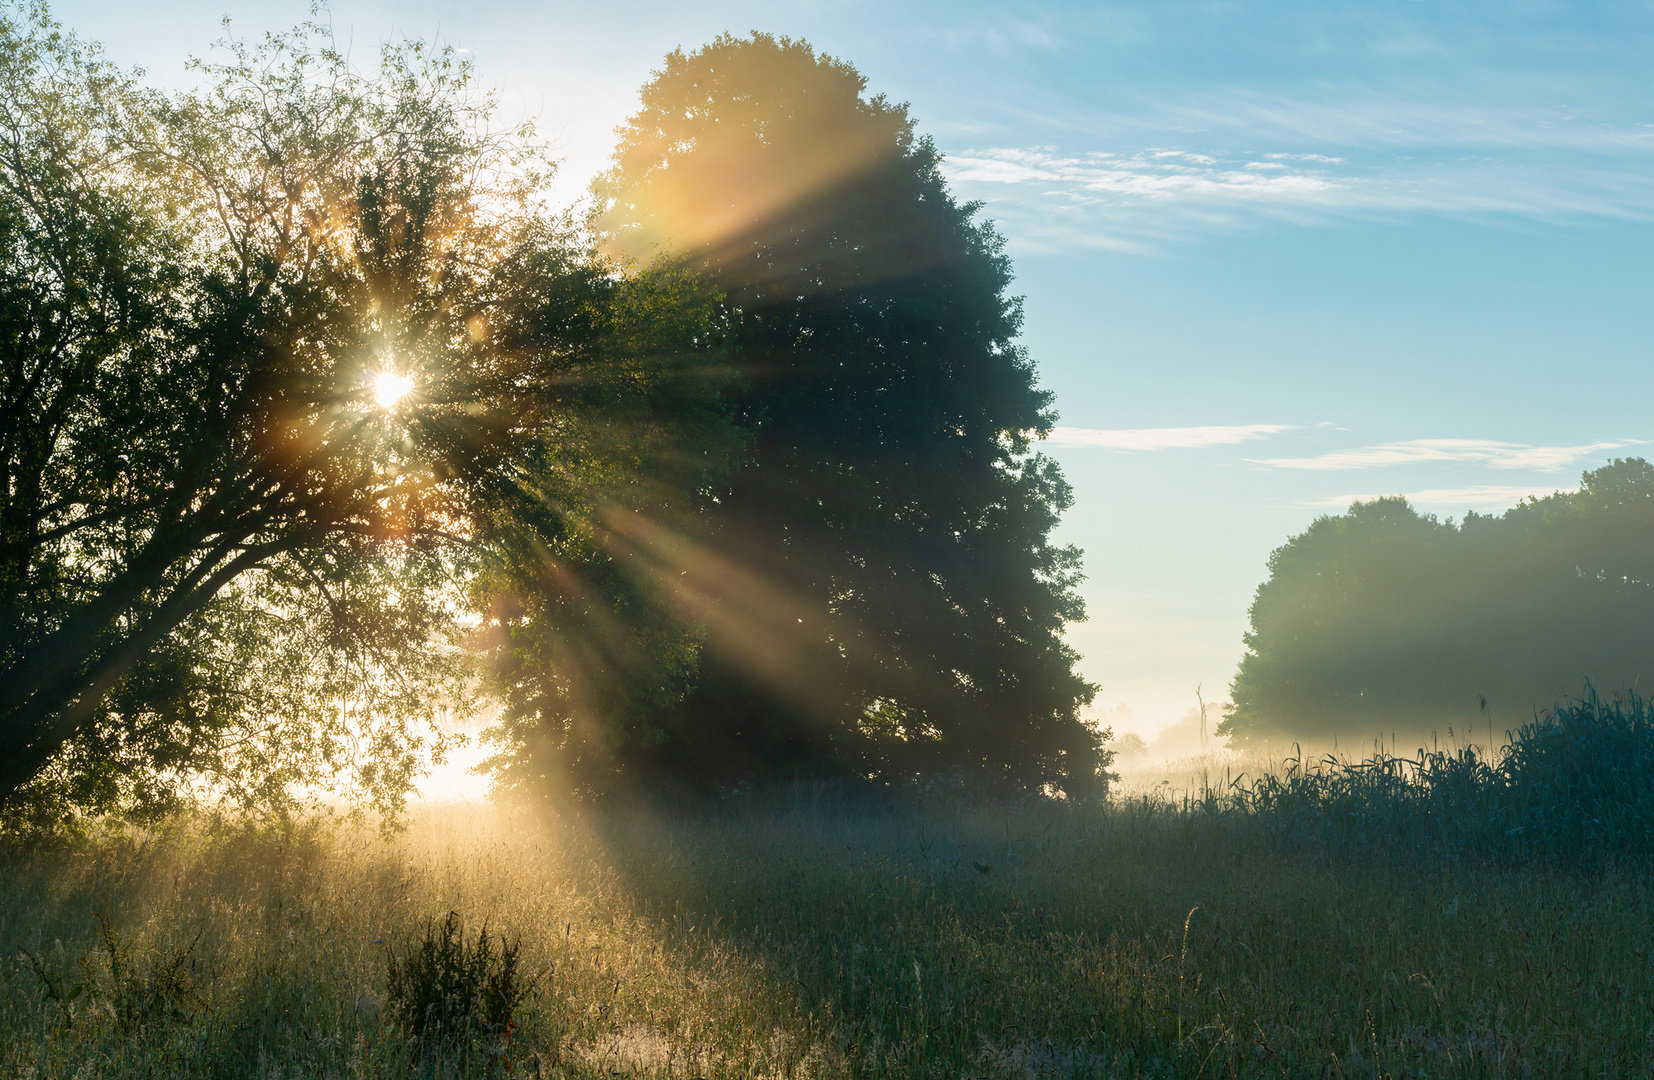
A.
pixel 1275 256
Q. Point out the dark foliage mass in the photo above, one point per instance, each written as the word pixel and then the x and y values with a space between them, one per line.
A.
pixel 445 989
pixel 221 556
pixel 1384 620
pixel 1576 783
pixel 874 581
pixel 756 490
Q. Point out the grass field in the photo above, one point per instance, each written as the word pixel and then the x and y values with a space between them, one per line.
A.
pixel 810 938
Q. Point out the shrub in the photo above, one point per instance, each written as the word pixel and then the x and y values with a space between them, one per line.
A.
pixel 444 990
pixel 1576 782
pixel 153 990
pixel 159 988
pixel 1582 777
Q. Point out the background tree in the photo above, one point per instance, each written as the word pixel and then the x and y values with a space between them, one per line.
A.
pixel 1385 621
pixel 221 524
pixel 875 580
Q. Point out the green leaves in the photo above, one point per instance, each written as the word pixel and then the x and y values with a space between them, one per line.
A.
pixel 1384 621
pixel 225 565
pixel 448 992
pixel 881 547
pixel 720 506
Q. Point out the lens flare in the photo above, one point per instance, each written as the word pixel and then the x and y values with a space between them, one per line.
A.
pixel 390 388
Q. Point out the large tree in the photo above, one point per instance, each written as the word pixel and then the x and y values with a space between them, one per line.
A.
pixel 1386 621
pixel 283 362
pixel 875 581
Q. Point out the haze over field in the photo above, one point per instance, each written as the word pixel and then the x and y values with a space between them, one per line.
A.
pixel 1276 256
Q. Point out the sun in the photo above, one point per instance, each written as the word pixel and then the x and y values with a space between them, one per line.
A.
pixel 389 388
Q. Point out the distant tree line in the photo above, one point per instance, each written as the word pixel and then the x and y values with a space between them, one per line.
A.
pixel 1386 621
pixel 735 475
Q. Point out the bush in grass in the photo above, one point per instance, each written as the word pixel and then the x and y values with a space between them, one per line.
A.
pixel 1576 782
pixel 1583 776
pixel 142 994
pixel 445 990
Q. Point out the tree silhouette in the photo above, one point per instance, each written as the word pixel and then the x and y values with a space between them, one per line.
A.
pixel 1384 620
pixel 214 536
pixel 875 580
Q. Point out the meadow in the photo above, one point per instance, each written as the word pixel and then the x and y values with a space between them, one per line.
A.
pixel 807 933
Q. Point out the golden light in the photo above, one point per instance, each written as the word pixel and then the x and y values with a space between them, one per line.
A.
pixel 389 388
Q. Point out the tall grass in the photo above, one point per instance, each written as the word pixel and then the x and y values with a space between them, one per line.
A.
pixel 810 936
pixel 1577 783
pixel 1429 916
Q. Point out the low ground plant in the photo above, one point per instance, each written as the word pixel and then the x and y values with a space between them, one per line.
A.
pixel 447 992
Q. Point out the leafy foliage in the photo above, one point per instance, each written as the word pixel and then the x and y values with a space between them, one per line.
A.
pixel 583 651
pixel 1575 783
pixel 875 579
pixel 228 568
pixel 445 990
pixel 1386 620
pixel 1581 778
pixel 151 990
pixel 139 994
pixel 222 560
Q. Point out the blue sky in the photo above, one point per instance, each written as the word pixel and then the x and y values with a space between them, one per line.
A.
pixel 1275 255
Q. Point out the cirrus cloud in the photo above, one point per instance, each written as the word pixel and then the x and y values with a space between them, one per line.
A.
pixel 1172 438
pixel 1494 455
pixel 1472 498
pixel 1152 174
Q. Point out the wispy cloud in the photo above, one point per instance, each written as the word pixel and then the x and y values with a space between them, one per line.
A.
pixel 1155 173
pixel 1470 498
pixel 1129 198
pixel 1494 455
pixel 1163 438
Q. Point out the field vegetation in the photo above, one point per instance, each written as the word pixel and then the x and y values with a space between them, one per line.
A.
pixel 1333 920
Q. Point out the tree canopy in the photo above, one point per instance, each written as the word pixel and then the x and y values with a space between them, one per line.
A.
pixel 222 544
pixel 1384 620
pixel 875 580
pixel 320 425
